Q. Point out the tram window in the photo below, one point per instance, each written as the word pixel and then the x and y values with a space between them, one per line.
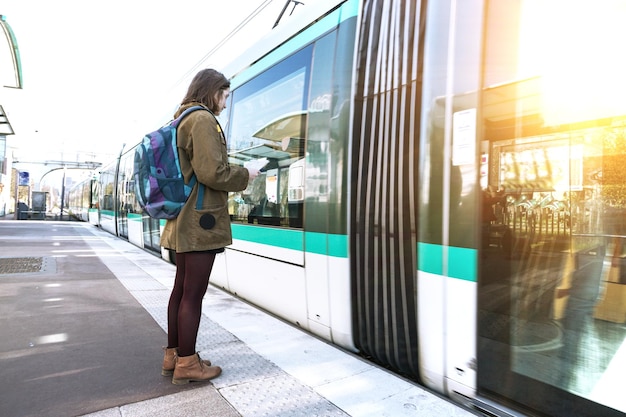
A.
pixel 554 125
pixel 95 192
pixel 128 200
pixel 107 185
pixel 86 196
pixel 267 121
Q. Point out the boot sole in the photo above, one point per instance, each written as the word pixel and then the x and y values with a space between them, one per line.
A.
pixel 181 381
pixel 184 381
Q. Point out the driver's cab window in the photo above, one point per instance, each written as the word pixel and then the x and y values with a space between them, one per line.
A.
pixel 267 128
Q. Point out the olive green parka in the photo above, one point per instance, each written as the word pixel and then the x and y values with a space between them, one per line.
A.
pixel 202 149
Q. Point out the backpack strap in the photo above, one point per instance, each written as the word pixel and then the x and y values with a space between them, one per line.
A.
pixel 200 195
pixel 193 180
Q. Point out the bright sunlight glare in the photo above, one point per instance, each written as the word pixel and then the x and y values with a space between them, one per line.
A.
pixel 576 48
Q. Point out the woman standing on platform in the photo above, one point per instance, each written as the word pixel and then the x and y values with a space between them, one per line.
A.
pixel 198 235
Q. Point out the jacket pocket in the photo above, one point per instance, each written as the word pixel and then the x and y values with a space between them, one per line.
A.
pixel 213 219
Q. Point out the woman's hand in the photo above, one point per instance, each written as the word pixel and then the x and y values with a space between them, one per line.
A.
pixel 252 174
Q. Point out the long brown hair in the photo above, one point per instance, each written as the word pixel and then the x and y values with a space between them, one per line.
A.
pixel 204 86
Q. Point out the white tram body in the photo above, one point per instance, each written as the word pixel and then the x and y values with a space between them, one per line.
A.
pixel 445 193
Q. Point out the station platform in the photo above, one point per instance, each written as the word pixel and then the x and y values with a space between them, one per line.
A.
pixel 83 319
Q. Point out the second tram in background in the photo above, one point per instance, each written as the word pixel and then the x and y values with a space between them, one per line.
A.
pixel 446 193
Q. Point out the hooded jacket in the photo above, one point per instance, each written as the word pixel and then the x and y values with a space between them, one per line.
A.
pixel 202 150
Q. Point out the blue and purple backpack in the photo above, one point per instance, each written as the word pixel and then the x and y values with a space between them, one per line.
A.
pixel 159 183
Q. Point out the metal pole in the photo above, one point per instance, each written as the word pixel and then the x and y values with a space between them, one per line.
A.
pixel 62 194
pixel 17 188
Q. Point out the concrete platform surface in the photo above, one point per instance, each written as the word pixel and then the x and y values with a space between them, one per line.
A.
pixel 91 336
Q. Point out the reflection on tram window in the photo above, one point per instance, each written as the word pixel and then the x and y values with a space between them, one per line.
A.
pixel 559 220
pixel 555 222
pixel 553 286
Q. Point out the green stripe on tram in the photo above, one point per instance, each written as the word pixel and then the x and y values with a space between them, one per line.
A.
pixel 320 243
pixel 327 244
pixel 462 262
pixel 282 238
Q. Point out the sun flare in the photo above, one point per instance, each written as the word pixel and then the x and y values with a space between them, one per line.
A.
pixel 576 48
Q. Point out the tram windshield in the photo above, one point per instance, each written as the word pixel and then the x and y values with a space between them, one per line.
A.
pixel 554 200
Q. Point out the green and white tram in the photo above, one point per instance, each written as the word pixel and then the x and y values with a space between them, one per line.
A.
pixel 445 193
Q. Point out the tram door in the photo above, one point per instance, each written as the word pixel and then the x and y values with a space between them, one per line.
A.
pixel 125 194
pixel 552 280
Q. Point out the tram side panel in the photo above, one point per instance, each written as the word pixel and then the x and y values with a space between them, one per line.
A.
pixel 289 226
pixel 337 293
pixel 265 262
pixel 325 196
pixel 450 224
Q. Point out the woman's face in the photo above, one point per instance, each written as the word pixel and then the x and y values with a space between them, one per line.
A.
pixel 220 100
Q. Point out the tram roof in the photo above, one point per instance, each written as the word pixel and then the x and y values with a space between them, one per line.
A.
pixel 280 34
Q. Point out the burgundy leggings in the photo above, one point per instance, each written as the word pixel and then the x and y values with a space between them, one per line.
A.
pixel 185 306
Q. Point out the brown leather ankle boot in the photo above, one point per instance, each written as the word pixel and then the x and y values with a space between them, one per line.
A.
pixel 192 368
pixel 169 361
